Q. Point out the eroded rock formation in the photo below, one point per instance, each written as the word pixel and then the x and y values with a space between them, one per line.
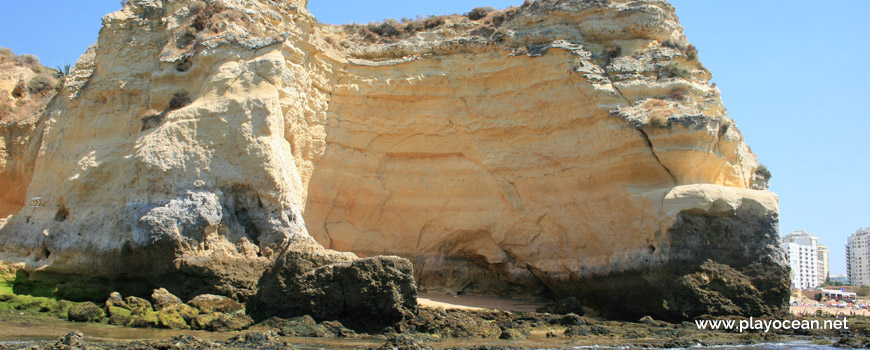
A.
pixel 564 148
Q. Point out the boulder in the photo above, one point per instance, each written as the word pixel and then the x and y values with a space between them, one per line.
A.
pixel 367 294
pixel 119 316
pixel 221 322
pixel 172 319
pixel 403 342
pixel 163 298
pixel 187 312
pixel 268 340
pixel 337 329
pixel 86 312
pixel 571 319
pixel 181 342
pixel 453 324
pixel 518 333
pixel 557 170
pixel 146 320
pixel 115 300
pixel 564 306
pixel 302 326
pixel 70 341
pixel 210 303
pixel 138 306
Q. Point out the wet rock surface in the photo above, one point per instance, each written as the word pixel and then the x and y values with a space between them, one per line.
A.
pixel 209 303
pixel 545 332
pixel 401 342
pixel 86 312
pixel 364 294
pixel 163 298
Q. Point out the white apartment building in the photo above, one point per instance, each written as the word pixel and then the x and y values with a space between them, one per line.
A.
pixel 858 257
pixel 802 250
pixel 824 264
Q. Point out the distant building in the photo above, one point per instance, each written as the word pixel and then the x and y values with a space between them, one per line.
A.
pixel 824 266
pixel 802 250
pixel 841 278
pixel 836 294
pixel 858 257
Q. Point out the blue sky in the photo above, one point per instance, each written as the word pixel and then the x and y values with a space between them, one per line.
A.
pixel 793 76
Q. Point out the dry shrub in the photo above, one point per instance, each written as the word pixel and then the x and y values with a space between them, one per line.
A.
pixel 479 13
pixel 389 29
pixel 202 13
pixel 180 99
pixel 762 171
pixel 658 111
pixel 655 103
pixel 500 17
pixel 392 29
pixel 151 119
pixel 692 52
pixel 658 119
pixel 39 84
pixel 677 94
pixel 27 60
pixel 611 52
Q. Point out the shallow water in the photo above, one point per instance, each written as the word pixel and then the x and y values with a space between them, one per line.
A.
pixel 18 329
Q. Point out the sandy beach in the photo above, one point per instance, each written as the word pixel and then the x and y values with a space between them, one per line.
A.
pixel 475 302
pixel 804 310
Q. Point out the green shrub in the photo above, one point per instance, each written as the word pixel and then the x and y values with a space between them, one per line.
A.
pixel 763 172
pixel 675 70
pixel 612 51
pixel 62 71
pixel 389 29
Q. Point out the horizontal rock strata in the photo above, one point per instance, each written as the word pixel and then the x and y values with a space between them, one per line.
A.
pixel 564 148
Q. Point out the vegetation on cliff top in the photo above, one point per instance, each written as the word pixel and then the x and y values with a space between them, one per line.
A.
pixel 481 20
pixel 26 85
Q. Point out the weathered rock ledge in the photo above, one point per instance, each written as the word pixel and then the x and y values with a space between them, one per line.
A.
pixel 564 148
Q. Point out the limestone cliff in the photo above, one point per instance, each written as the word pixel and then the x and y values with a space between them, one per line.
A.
pixel 566 147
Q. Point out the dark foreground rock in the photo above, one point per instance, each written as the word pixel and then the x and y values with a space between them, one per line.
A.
pixel 569 305
pixel 402 342
pixel 719 263
pixel 364 294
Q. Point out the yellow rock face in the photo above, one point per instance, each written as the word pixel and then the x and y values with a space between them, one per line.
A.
pixel 521 158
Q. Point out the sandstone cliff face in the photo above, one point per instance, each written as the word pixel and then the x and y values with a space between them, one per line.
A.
pixel 568 148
